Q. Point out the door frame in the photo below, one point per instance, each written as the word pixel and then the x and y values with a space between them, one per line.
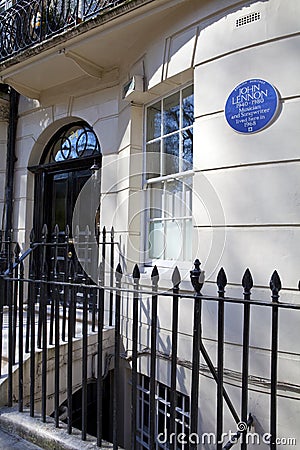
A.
pixel 41 190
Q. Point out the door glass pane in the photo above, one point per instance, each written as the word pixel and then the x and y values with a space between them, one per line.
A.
pixel 59 209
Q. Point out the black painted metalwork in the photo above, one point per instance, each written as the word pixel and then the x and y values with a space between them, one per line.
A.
pixel 275 286
pixel 221 283
pixel 176 280
pixel 68 287
pixel 116 386
pixel 247 283
pixel 154 279
pixel 195 279
pixel 29 22
pixel 135 324
pixel 11 159
pixel 99 358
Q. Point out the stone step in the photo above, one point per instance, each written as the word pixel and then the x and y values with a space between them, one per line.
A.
pixel 9 441
pixel 40 435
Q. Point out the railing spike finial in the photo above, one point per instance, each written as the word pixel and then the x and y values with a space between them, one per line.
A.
pixel 247 281
pixel 136 273
pixel 221 279
pixel 56 230
pixel 44 231
pixel 112 233
pixel 155 276
pixel 176 277
pixel 67 231
pixel 275 283
pixel 299 285
pixel 118 273
pixel 32 236
pixel 196 275
pixel 17 250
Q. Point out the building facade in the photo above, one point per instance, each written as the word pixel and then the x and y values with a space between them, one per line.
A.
pixel 138 93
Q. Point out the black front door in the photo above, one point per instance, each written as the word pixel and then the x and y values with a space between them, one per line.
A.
pixel 61 192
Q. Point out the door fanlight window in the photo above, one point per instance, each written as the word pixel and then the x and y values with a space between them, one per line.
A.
pixel 72 142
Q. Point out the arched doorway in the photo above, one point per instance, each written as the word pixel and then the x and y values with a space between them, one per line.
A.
pixel 67 163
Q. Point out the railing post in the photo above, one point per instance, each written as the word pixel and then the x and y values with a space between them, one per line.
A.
pixel 275 286
pixel 9 302
pixel 155 279
pixel 3 287
pixel 71 319
pixel 31 324
pixel 117 357
pixel 43 307
pixel 136 281
pixel 112 264
pixel 17 252
pixel 55 303
pixel 30 290
pixel 99 360
pixel 53 287
pixel 197 285
pixel 21 330
pixel 176 280
pixel 84 341
pixel 247 283
pixel 221 283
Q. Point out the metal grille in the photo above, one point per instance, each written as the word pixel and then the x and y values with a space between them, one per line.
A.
pixel 162 411
pixel 27 23
pixel 252 17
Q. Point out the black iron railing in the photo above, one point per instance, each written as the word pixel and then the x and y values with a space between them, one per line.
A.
pixel 29 22
pixel 44 300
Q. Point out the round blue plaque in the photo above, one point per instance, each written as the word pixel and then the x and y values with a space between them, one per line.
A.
pixel 251 106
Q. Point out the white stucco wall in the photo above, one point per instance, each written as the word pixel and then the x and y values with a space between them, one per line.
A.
pixel 252 179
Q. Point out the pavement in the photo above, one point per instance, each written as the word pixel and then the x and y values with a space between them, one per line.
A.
pixel 13 442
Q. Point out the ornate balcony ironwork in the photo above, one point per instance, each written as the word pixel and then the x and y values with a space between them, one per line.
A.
pixel 27 23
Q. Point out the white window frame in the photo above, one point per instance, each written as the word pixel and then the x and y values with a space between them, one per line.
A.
pixel 163 179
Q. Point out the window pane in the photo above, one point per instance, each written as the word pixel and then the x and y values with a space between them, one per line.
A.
pixel 174 239
pixel 171 113
pixel 153 160
pixel 156 240
pixel 187 149
pixel 188 106
pixel 188 240
pixel 171 154
pixel 187 198
pixel 156 194
pixel 154 121
pixel 173 199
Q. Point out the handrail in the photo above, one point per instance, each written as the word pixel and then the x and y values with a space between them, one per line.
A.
pixel 20 259
pixel 235 438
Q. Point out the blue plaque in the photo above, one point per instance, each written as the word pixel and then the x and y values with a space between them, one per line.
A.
pixel 251 106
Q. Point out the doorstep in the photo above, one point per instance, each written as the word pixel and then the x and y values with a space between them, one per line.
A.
pixel 45 435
